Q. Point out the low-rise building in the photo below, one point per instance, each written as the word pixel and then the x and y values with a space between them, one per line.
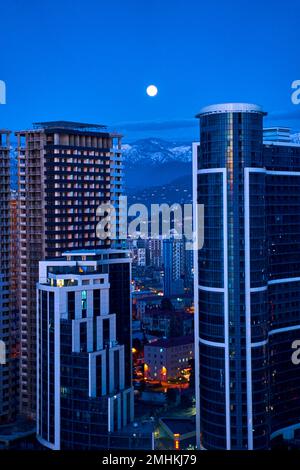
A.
pixel 167 323
pixel 166 358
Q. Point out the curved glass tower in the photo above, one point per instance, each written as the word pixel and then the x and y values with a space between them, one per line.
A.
pixel 233 372
pixel 247 277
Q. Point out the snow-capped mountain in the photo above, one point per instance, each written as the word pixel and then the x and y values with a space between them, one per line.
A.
pixel 157 151
pixel 155 162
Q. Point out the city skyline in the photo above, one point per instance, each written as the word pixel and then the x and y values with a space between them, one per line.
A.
pixel 149 229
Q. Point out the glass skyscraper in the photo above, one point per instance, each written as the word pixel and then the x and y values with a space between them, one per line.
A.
pixel 247 279
pixel 173 262
pixel 84 368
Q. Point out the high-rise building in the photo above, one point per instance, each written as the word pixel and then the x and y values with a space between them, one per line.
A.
pixel 66 170
pixel 84 392
pixel 8 364
pixel 188 269
pixel 173 260
pixel 155 252
pixel 140 256
pixel 247 280
pixel 14 249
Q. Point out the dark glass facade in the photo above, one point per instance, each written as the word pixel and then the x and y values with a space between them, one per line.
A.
pixel 251 243
pixel 120 300
pixel 84 382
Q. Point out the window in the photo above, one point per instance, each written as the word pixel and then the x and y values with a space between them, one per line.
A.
pixel 83 303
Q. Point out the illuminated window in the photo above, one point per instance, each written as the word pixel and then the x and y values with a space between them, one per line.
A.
pixel 83 303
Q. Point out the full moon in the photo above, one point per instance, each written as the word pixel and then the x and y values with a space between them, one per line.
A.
pixel 152 90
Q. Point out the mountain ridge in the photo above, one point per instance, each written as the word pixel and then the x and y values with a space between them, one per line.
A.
pixel 154 162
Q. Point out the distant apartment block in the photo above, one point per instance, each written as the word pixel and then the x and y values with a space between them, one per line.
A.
pixel 155 252
pixel 139 256
pixel 173 262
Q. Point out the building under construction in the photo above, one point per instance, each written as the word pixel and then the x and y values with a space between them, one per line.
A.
pixel 8 315
pixel 65 171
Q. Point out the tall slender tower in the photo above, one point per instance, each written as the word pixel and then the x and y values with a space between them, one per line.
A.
pixel 173 259
pixel 230 142
pixel 66 170
pixel 8 327
pixel 247 277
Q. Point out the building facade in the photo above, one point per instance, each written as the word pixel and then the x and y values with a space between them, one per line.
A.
pixel 173 259
pixel 84 392
pixel 14 250
pixel 155 252
pixel 139 256
pixel 246 280
pixel 165 359
pixel 8 320
pixel 167 323
pixel 65 171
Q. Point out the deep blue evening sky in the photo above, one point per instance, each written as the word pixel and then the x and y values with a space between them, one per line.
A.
pixel 91 60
